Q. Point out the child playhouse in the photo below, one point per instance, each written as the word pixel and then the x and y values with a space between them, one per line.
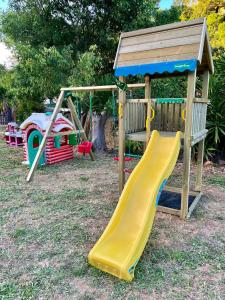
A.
pixel 178 49
pixel 13 136
pixel 58 146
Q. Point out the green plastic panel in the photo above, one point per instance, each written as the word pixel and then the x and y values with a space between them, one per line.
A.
pixel 169 100
pixel 33 143
pixel 57 142
pixel 73 140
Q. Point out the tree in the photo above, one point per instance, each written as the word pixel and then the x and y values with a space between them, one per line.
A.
pixel 214 10
pixel 88 72
pixel 54 40
pixel 77 23
pixel 39 74
pixel 215 142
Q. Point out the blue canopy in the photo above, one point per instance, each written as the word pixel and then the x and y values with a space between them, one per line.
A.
pixel 161 67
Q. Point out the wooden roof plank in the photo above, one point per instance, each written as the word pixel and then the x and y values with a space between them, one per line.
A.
pixel 162 44
pixel 209 52
pixel 165 35
pixel 202 42
pixel 117 53
pixel 158 59
pixel 159 52
pixel 163 27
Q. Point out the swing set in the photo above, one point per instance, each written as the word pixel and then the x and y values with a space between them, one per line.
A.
pixel 83 143
pixel 83 147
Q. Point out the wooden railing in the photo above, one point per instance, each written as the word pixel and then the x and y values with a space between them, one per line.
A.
pixel 168 116
pixel 199 111
pixel 135 117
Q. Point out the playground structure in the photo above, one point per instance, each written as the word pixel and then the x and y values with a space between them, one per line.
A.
pixel 58 147
pixel 13 136
pixel 178 49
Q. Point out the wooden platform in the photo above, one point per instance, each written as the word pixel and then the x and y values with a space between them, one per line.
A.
pixel 141 135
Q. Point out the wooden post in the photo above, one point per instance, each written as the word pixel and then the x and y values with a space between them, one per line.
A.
pixel 198 183
pixel 148 96
pixel 78 123
pixel 47 133
pixel 187 144
pixel 122 101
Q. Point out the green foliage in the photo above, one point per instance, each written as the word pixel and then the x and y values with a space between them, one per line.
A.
pixel 167 16
pixel 79 24
pixel 132 147
pixel 43 69
pixel 87 72
pixel 89 65
pixel 57 40
pixel 218 181
pixel 39 74
pixel 214 11
pixel 169 87
pixel 215 141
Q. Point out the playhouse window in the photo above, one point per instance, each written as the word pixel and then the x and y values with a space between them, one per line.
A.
pixel 63 140
pixel 36 142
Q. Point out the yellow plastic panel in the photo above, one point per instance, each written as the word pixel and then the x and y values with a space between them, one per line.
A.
pixel 122 243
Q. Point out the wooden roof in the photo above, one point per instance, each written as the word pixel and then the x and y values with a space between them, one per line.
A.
pixel 173 42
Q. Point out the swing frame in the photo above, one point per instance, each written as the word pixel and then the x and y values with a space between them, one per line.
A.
pixel 74 117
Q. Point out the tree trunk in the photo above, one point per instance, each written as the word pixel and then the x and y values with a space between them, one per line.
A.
pixel 98 131
pixel 86 125
pixel 8 112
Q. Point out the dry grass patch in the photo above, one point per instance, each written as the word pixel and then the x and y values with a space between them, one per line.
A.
pixel 49 226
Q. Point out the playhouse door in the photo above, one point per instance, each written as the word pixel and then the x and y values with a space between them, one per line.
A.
pixel 34 141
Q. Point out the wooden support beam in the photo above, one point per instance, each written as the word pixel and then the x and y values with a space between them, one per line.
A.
pixel 44 140
pixel 196 100
pixel 135 101
pixel 187 144
pixel 198 183
pixel 122 102
pixel 101 88
pixel 198 137
pixel 193 204
pixel 78 123
pixel 168 210
pixel 148 96
pixel 201 100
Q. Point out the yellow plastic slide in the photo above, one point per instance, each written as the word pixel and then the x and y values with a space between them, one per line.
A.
pixel 122 243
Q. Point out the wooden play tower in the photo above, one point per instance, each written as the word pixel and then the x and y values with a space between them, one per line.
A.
pixel 178 49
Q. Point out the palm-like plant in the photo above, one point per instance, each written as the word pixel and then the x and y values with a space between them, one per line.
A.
pixel 215 142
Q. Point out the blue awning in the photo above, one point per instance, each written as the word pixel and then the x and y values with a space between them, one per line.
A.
pixel 161 67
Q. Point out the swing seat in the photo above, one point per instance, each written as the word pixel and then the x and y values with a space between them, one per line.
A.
pixel 84 147
pixel 125 158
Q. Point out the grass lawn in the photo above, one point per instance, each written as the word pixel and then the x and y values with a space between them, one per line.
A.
pixel 49 225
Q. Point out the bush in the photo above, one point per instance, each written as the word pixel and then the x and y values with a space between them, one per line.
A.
pixel 215 141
